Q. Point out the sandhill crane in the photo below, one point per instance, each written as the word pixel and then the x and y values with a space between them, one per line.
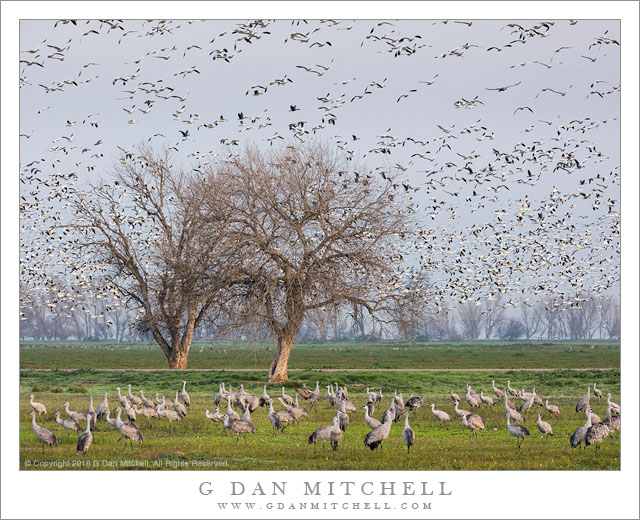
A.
pixel 595 418
pixel 123 399
pixel 596 433
pixel 185 396
pixel 133 398
pixel 529 402
pixel 286 398
pixel 44 435
pixel 128 430
pixel 473 422
pixel 471 391
pixel 85 440
pixel 544 427
pixel 613 422
pixel 407 434
pixel 295 410
pixel 331 396
pixel 454 397
pixel 614 406
pixel 597 392
pixel 508 402
pixel 579 435
pixel 131 412
pixel 264 398
pixel 179 407
pixel 233 415
pixel 371 396
pixel 170 415
pixel 216 417
pixel 38 407
pixel 414 403
pixel 379 396
pixel 320 435
pixel 148 403
pixel 164 401
pixel 343 417
pixel 249 402
pixel 390 412
pixel 315 396
pixel 398 406
pixel 103 407
pixel 371 422
pixel 335 435
pixel 460 413
pixel 499 393
pixel 486 399
pixel 68 424
pixel 243 426
pixel 304 391
pixel 442 416
pixel 584 401
pixel 378 435
pixel 109 420
pixel 371 407
pixel 146 412
pixel 221 393
pixel 92 413
pixel 514 414
pixel 512 391
pixel 551 408
pixel 471 399
pixel 76 416
pixel 279 420
pixel 515 430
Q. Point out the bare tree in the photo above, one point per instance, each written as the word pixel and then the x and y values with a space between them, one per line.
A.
pixel 145 232
pixel 530 319
pixel 470 317
pixel 316 233
pixel 493 313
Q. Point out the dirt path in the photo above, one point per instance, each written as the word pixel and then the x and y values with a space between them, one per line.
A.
pixel 322 369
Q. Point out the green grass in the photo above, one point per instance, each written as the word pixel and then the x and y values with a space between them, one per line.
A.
pixel 197 439
pixel 223 355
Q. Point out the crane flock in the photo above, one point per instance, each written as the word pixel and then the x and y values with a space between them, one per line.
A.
pixel 239 423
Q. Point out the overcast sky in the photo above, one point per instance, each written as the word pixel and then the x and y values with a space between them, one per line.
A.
pixel 100 71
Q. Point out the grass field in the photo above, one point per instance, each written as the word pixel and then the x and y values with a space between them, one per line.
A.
pixel 220 356
pixel 197 439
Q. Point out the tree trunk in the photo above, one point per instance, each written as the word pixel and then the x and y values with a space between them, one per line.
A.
pixel 278 368
pixel 178 357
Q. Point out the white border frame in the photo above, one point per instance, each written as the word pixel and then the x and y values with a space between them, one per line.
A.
pixel 553 494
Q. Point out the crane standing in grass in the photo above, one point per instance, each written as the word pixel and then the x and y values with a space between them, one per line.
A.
pixel 128 430
pixel 378 435
pixel 44 435
pixel 442 416
pixel 85 440
pixel 185 396
pixel 68 424
pixel 371 421
pixel 544 427
pixel 179 407
pixel 335 435
pixel 103 407
pixel 473 422
pixel 584 401
pixel 517 431
pixel 551 408
pixel 320 435
pixel 38 407
pixel 407 433
pixel 579 434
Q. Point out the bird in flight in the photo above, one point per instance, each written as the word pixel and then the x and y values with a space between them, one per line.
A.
pixel 502 89
pixel 522 108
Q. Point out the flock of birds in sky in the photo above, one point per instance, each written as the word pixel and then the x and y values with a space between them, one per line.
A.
pixel 515 184
pixel 239 423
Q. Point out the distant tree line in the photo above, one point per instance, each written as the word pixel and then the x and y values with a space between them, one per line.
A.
pixel 595 317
